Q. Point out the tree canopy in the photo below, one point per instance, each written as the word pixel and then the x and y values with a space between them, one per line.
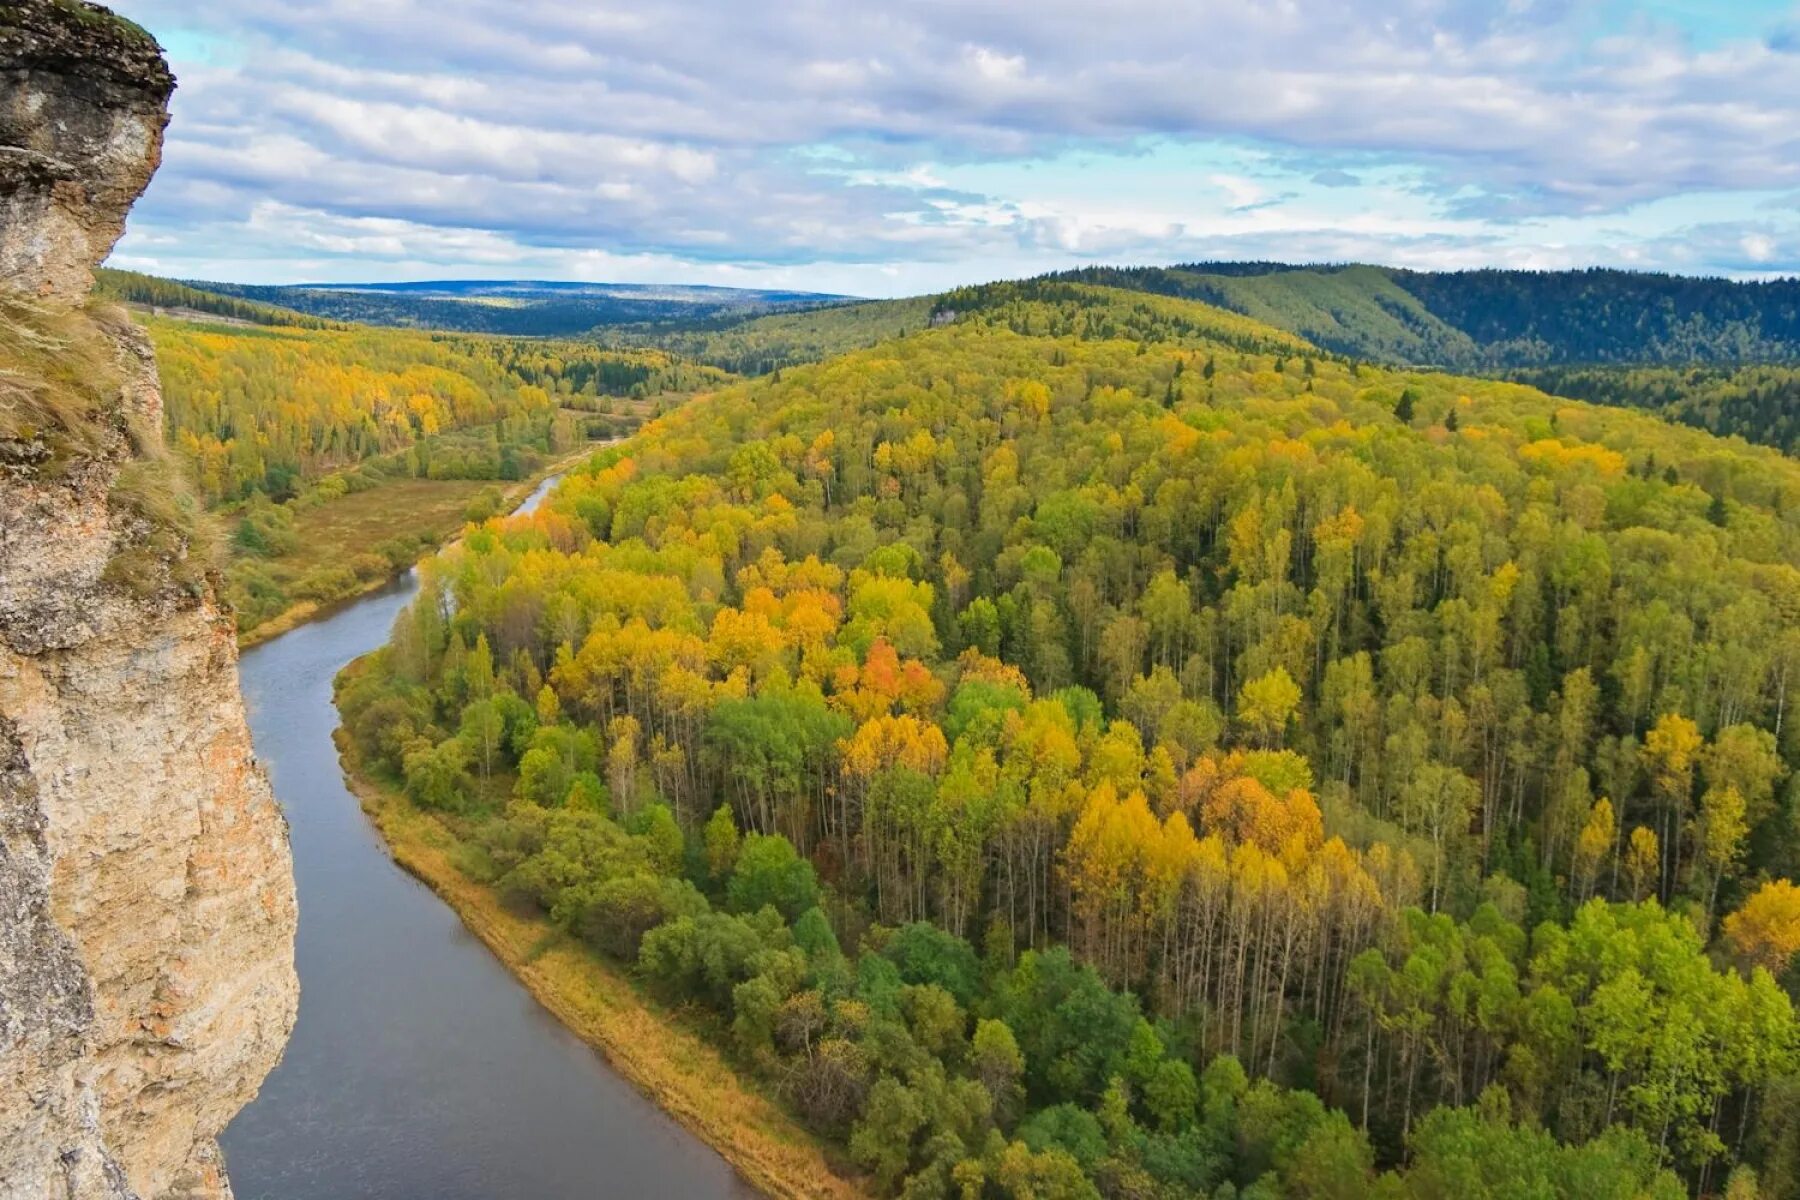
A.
pixel 1121 749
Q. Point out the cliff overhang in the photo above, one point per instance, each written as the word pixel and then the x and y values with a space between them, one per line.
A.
pixel 146 888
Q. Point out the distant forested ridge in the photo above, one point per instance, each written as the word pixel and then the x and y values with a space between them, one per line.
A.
pixel 1717 354
pixel 1102 745
pixel 524 309
pixel 757 345
pixel 151 291
pixel 1706 352
pixel 1491 319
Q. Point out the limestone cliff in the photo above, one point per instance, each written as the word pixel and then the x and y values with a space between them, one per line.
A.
pixel 146 890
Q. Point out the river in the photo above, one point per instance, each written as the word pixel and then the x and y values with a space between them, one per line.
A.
pixel 419 1069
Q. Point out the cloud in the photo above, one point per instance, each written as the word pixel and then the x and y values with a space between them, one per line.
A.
pixel 708 131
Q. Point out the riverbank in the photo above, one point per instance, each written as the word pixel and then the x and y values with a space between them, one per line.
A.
pixel 666 1057
pixel 430 527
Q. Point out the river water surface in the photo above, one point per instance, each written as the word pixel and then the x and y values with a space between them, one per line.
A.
pixel 419 1069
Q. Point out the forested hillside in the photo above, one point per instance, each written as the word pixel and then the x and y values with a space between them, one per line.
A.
pixel 1485 320
pixel 758 345
pixel 271 410
pixel 1705 352
pixel 1106 747
pixel 1354 310
pixel 1757 403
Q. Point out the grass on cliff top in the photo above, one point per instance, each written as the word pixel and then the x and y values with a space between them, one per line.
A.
pixel 58 381
pixel 97 17
pixel 61 404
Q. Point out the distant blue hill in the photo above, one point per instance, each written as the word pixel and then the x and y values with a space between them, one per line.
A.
pixel 527 307
pixel 687 292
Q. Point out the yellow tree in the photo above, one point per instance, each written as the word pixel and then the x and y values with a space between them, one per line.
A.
pixel 744 639
pixel 889 832
pixel 1723 830
pixel 821 461
pixel 1097 863
pixel 622 764
pixel 1766 930
pixel 1267 703
pixel 1596 842
pixel 1672 746
pixel 1642 859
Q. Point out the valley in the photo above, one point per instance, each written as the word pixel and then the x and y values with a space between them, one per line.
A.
pixel 1028 650
pixel 740 737
pixel 333 456
pixel 1226 679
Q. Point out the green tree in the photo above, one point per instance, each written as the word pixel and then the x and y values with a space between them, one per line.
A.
pixel 720 839
pixel 1267 704
pixel 768 871
pixel 995 1060
pixel 438 776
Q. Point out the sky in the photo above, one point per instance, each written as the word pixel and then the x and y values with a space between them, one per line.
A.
pixel 883 148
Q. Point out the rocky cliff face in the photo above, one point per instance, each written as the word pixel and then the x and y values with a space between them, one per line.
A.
pixel 146 891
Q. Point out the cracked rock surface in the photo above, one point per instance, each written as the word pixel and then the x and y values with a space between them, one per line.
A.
pixel 146 890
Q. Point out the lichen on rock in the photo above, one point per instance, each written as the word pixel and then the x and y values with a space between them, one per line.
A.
pixel 146 890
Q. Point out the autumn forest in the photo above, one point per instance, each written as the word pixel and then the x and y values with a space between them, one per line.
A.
pixel 1099 744
pixel 295 431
